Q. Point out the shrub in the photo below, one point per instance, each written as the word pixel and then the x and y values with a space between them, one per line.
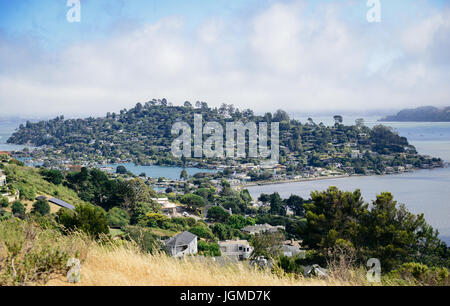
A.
pixel 18 209
pixel 87 218
pixel 32 255
pixel 208 249
pixel 218 214
pixel 118 217
pixel 144 238
pixel 202 232
pixel 4 202
pixel 41 207
pixel 420 274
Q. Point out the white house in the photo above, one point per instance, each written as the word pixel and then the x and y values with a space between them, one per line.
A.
pixel 182 244
pixel 261 228
pixel 237 249
pixel 2 178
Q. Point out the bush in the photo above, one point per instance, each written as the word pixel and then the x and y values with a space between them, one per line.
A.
pixel 420 274
pixel 202 232
pixel 208 249
pixel 31 255
pixel 18 209
pixel 145 239
pixel 218 214
pixel 4 202
pixel 87 218
pixel 41 207
pixel 118 217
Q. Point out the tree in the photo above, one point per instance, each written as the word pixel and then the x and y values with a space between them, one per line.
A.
pixel 118 217
pixel 121 170
pixel 239 221
pixel 184 175
pixel 333 214
pixel 295 203
pixel 277 205
pixel 88 218
pixel 218 214
pixel 4 202
pixel 193 201
pixel 267 245
pixel 53 176
pixel 41 207
pixel 18 209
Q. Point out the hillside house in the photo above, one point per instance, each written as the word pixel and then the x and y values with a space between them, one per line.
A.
pixel 236 249
pixel 261 228
pixel 182 244
pixel 2 178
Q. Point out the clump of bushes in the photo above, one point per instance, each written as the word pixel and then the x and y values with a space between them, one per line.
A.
pixel 32 255
pixel 420 274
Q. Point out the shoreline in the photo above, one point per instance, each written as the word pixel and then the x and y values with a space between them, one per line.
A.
pixel 283 182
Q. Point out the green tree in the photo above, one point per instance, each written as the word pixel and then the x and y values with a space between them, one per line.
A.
pixel 118 217
pixel 193 201
pixel 41 207
pixel 218 214
pixel 18 209
pixel 184 175
pixel 87 218
pixel 4 202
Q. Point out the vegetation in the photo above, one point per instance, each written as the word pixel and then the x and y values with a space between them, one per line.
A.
pixel 126 137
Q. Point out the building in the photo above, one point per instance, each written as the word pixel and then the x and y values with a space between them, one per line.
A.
pixel 182 244
pixel 261 228
pixel 2 178
pixel 236 249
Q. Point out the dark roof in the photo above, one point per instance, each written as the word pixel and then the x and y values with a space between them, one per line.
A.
pixel 181 239
pixel 61 203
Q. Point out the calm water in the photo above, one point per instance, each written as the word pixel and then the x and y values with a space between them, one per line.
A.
pixel 424 191
pixel 160 171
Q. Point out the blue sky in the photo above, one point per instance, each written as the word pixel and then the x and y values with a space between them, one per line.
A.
pixel 312 55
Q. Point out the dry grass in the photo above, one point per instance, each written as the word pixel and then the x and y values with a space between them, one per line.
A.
pixel 125 266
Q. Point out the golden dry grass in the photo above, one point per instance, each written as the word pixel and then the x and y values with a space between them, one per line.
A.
pixel 124 266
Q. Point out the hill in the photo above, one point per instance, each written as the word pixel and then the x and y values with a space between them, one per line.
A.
pixel 143 135
pixel 421 114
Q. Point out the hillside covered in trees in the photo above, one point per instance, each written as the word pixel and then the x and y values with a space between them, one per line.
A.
pixel 421 114
pixel 143 135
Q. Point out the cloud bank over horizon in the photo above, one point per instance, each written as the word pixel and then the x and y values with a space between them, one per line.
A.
pixel 285 54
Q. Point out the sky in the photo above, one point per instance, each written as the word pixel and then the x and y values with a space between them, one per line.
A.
pixel 301 56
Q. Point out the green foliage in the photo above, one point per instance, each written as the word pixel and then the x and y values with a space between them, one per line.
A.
pixel 193 201
pixel 144 238
pixel 292 265
pixel 218 214
pixel 267 245
pixel 202 232
pixel 118 217
pixel 41 207
pixel 226 232
pixel 208 249
pixel 18 209
pixel 4 202
pixel 31 255
pixel 121 170
pixel 420 274
pixel 87 218
pixel 239 221
pixel 387 231
pixel 53 176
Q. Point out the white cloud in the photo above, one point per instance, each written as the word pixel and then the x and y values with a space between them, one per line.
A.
pixel 282 57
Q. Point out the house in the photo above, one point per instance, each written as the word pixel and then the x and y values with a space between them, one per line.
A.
pixel 261 228
pixel 182 244
pixel 292 250
pixel 236 249
pixel 2 178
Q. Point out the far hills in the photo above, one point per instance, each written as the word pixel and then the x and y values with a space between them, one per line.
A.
pixel 421 114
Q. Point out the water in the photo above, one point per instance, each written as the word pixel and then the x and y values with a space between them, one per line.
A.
pixel 424 191
pixel 172 173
